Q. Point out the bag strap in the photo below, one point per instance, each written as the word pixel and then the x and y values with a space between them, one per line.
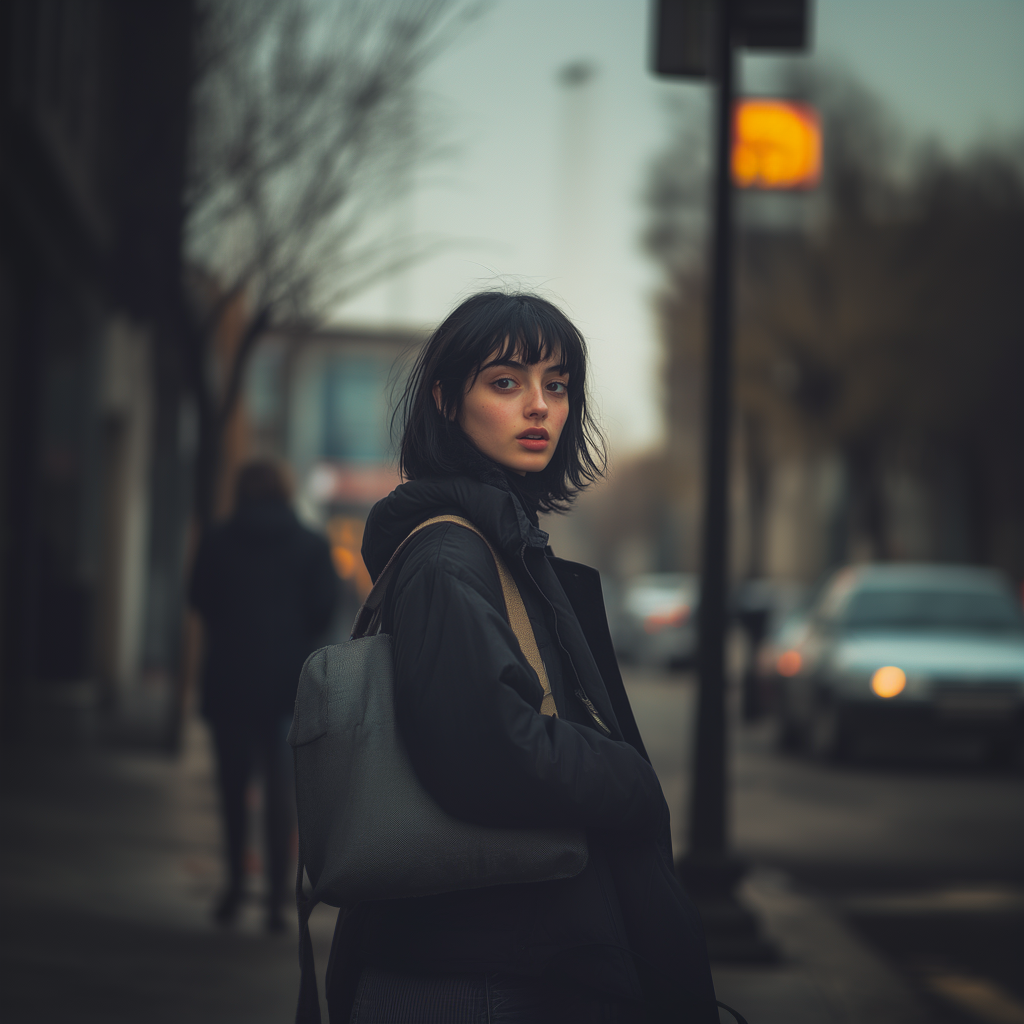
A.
pixel 740 1019
pixel 514 607
pixel 308 1009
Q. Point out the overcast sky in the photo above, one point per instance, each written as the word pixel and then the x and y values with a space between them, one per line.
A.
pixel 543 185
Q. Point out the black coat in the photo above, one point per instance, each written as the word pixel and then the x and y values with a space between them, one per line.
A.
pixel 467 704
pixel 265 588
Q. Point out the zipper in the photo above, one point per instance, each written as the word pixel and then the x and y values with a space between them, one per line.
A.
pixel 589 705
pixel 579 691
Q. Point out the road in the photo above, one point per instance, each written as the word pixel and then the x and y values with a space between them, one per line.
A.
pixel 922 854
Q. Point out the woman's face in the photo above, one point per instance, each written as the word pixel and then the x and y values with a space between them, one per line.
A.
pixel 514 413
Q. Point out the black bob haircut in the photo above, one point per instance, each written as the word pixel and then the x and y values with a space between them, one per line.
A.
pixel 487 328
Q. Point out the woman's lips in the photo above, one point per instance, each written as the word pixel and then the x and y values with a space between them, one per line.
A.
pixel 534 440
pixel 534 444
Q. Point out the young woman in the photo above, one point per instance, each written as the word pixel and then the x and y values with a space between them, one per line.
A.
pixel 495 430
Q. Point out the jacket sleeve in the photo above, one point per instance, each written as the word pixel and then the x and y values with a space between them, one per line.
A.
pixel 467 708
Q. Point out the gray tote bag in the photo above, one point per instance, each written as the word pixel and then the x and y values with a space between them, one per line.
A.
pixel 368 830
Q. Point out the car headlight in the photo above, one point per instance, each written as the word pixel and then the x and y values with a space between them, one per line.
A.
pixel 888 681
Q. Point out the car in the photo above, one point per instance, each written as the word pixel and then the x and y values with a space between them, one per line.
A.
pixel 766 609
pixel 900 647
pixel 778 654
pixel 657 620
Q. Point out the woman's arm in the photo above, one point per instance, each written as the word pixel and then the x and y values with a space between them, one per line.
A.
pixel 467 702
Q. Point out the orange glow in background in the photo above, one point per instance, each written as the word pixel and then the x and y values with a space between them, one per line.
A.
pixel 788 663
pixel 346 538
pixel 657 621
pixel 889 681
pixel 776 145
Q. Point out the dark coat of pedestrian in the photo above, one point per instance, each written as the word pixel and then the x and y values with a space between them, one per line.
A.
pixel 265 588
pixel 620 941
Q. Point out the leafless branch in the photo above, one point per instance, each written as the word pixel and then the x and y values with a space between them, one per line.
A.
pixel 304 133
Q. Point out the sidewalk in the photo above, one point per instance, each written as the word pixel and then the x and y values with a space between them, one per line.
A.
pixel 108 867
pixel 109 864
pixel 826 976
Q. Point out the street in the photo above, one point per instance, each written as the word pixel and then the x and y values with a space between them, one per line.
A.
pixel 109 863
pixel 922 855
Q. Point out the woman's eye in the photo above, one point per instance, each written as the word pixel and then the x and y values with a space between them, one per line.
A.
pixel 559 387
pixel 504 383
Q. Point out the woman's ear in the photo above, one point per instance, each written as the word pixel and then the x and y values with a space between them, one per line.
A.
pixel 436 392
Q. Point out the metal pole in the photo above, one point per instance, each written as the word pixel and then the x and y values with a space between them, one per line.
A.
pixel 708 810
pixel 708 871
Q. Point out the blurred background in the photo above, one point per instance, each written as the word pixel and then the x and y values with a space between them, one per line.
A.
pixel 226 226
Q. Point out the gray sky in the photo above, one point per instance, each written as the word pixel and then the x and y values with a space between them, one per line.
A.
pixel 543 186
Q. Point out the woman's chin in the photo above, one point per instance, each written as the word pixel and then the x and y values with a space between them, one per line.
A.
pixel 526 462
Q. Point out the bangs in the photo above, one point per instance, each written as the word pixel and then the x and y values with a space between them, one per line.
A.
pixel 526 350
pixel 525 335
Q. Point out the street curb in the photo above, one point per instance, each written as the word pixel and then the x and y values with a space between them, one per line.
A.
pixel 827 974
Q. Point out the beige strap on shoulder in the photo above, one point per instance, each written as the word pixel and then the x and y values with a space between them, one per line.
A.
pixel 515 609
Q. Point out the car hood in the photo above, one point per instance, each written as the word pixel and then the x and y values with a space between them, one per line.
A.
pixel 950 655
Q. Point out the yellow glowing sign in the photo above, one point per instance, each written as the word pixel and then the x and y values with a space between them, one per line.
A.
pixel 889 681
pixel 776 145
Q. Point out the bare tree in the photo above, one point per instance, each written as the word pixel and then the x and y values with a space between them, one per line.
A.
pixel 888 330
pixel 301 125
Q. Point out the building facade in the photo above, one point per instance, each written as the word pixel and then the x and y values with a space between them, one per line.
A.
pixel 93 416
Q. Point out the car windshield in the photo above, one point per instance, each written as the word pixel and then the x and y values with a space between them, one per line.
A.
pixel 931 609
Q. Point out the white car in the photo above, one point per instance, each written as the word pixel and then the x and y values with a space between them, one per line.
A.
pixel 657 624
pixel 897 647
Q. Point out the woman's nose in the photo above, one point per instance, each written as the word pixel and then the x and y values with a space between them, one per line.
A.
pixel 536 403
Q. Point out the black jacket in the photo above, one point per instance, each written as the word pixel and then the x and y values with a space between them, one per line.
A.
pixel 467 704
pixel 265 587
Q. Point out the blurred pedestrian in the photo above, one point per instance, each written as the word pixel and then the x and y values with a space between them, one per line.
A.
pixel 496 429
pixel 265 588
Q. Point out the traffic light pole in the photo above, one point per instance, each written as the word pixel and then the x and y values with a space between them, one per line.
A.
pixel 708 871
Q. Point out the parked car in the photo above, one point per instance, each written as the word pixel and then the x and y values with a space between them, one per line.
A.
pixel 778 656
pixel 895 647
pixel 764 607
pixel 657 620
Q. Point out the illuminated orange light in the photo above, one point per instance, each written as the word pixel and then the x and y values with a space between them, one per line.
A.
pixel 344 562
pixel 776 145
pixel 346 537
pixel 789 663
pixel 657 621
pixel 889 681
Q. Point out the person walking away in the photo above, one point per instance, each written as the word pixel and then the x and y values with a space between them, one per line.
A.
pixel 264 587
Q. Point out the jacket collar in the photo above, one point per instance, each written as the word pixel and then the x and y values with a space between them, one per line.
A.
pixel 490 506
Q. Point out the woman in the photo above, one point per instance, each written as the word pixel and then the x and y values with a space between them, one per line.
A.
pixel 496 429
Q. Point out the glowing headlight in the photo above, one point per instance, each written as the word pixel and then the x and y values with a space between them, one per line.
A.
pixel 889 681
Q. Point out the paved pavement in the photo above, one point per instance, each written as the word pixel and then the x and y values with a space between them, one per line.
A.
pixel 108 865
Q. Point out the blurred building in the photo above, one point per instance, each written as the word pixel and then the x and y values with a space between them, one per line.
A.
pixel 94 432
pixel 322 401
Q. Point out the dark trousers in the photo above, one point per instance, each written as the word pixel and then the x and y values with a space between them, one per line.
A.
pixel 244 750
pixel 384 997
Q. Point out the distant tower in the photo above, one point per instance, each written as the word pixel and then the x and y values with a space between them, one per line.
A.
pixel 575 193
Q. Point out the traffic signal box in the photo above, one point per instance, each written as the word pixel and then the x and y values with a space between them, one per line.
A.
pixel 776 143
pixel 683 29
